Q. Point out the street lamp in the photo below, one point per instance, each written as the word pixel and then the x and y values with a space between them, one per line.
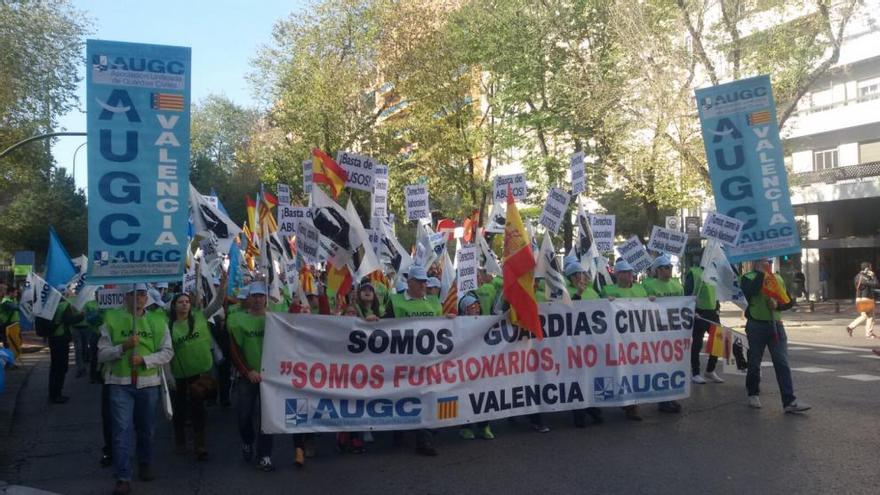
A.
pixel 74 157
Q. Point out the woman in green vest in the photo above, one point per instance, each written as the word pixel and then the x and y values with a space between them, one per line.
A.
pixel 366 301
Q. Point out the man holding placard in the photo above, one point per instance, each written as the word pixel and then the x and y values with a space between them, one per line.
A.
pixel 663 285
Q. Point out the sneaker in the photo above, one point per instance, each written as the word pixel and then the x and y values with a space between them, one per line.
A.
pixel 698 379
pixel 714 378
pixel 486 433
pixel 299 457
pixel 247 452
pixel 466 433
pixel 754 402
pixel 541 428
pixel 122 488
pixel 265 464
pixel 795 408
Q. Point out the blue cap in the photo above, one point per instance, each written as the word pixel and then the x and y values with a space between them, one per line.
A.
pixel 570 258
pixel 161 285
pixel 400 287
pixel 257 288
pixel 662 260
pixel 243 292
pixel 417 272
pixel 466 301
pixel 434 283
pixel 621 265
pixel 135 287
pixel 573 267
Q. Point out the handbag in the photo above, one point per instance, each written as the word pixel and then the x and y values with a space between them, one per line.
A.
pixel 204 387
pixel 166 396
pixel 865 305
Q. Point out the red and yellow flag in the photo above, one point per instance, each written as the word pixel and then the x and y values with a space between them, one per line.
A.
pixel 326 171
pixel 251 212
pixel 773 289
pixel 519 272
pixel 307 280
pixel 450 304
pixel 718 343
pixel 339 281
pixel 268 224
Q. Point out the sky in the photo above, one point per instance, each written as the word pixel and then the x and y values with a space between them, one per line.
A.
pixel 224 36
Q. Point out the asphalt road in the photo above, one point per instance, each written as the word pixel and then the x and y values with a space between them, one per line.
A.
pixel 717 445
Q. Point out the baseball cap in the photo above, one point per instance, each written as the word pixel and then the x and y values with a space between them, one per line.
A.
pixel 135 288
pixel 573 267
pixel 434 283
pixel 417 272
pixel 662 260
pixel 242 292
pixel 257 288
pixel 622 265
pixel 465 302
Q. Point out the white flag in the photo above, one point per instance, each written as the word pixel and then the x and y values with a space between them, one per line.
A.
pixel 717 271
pixel 399 258
pixel 206 216
pixel 548 268
pixel 447 279
pixel 496 220
pixel 364 260
pixel 493 267
pixel 39 299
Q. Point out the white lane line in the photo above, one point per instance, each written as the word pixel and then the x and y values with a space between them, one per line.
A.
pixel 870 356
pixel 833 352
pixel 828 346
pixel 812 369
pixel 765 364
pixel 800 348
pixel 862 378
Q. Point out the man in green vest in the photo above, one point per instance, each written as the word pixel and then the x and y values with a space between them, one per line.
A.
pixel 764 329
pixel 579 288
pixel 663 285
pixel 414 302
pixel 8 312
pixel 488 289
pixel 66 316
pixel 625 286
pixel 133 347
pixel 707 311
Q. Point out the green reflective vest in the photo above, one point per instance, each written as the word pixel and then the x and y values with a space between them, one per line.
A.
pixel 658 288
pixel 759 308
pixel 248 330
pixel 57 319
pixel 487 294
pixel 151 330
pixel 406 308
pixel 587 293
pixel 614 291
pixel 192 349
pixel 705 293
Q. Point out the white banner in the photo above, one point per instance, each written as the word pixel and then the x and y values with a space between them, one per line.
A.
pixel 347 374
pixel 417 202
pixel 633 251
pixel 114 298
pixel 307 178
pixel 308 242
pixel 554 209
pixel 467 261
pixel 578 173
pixel 379 200
pixel 723 228
pixel 290 216
pixel 667 241
pixel 518 187
pixel 603 232
pixel 360 170
pixel 283 195
pixel 189 282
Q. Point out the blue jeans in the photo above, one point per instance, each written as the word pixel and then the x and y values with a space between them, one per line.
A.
pixel 767 334
pixel 247 402
pixel 132 408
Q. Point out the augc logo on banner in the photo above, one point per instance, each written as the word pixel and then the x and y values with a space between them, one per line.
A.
pixel 138 124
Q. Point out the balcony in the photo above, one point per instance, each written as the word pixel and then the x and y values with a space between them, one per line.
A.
pixel 832 175
pixel 853 112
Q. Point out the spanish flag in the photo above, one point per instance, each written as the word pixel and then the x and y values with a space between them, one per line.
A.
pixel 326 171
pixel 773 289
pixel 519 272
pixel 251 212
pixel 718 342
pixel 339 282
pixel 450 304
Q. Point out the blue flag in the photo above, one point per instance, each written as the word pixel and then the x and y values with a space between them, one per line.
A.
pixel 234 272
pixel 59 268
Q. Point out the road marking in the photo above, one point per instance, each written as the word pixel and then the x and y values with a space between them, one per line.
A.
pixel 871 356
pixel 800 348
pixel 833 352
pixel 812 369
pixel 862 378
pixel 828 346
pixel 765 364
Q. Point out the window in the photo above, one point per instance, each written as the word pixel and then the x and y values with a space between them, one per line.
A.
pixel 869 88
pixel 869 152
pixel 825 159
pixel 821 98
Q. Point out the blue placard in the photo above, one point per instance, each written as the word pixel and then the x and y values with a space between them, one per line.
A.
pixel 748 175
pixel 138 100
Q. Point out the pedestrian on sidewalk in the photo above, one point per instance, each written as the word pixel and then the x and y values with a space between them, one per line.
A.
pixel 865 283
pixel 764 328
pixel 133 347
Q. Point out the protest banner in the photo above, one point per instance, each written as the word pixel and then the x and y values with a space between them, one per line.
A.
pixel 307 179
pixel 467 261
pixel 722 228
pixel 634 252
pixel 189 282
pixel 741 136
pixel 290 216
pixel 379 200
pixel 554 209
pixel 283 194
pixel 137 101
pixel 603 232
pixel 517 184
pixel 108 298
pixel 578 174
pixel 360 168
pixel 671 242
pixel 347 374
pixel 417 205
pixel 308 242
